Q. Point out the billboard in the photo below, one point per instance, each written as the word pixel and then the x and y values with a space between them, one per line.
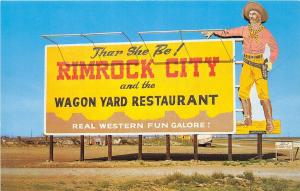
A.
pixel 158 87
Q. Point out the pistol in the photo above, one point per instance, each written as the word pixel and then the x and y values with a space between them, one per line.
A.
pixel 264 69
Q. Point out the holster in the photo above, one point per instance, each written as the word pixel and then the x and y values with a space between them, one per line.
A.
pixel 263 67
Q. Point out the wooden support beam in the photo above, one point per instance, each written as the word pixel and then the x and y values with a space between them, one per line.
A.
pixel 51 148
pixel 168 153
pixel 106 140
pixel 81 147
pixel 109 147
pixel 140 154
pixel 259 146
pixel 229 146
pixel 195 147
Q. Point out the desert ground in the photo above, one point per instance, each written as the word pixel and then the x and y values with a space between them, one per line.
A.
pixel 26 166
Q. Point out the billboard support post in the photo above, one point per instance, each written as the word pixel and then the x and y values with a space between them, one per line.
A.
pixel 195 147
pixel 140 154
pixel 109 147
pixel 81 147
pixel 168 155
pixel 259 146
pixel 229 147
pixel 51 148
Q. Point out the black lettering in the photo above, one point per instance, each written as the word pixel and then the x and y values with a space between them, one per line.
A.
pixel 117 101
pixel 103 100
pixel 59 101
pixel 96 49
pixel 68 103
pixel 123 101
pixel 213 98
pixel 135 101
pixel 150 100
pixel 202 99
pixel 164 100
pixel 142 100
pixel 192 100
pixel 180 100
pixel 76 101
pixel 172 100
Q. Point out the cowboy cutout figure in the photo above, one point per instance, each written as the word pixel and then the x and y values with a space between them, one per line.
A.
pixel 255 38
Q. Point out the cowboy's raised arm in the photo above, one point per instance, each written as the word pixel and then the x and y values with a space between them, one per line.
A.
pixel 235 32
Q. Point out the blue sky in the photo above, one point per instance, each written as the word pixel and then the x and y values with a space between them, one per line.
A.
pixel 22 48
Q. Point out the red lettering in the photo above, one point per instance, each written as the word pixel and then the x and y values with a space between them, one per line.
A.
pixel 102 66
pixel 63 69
pixel 146 67
pixel 87 70
pixel 74 67
pixel 116 69
pixel 212 62
pixel 196 61
pixel 131 62
pixel 168 72
pixel 114 64
pixel 183 67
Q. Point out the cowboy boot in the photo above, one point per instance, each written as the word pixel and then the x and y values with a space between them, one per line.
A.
pixel 246 105
pixel 267 107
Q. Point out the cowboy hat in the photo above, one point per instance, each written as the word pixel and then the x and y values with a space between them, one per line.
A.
pixel 257 7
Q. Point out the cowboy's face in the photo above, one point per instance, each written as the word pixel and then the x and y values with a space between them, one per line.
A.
pixel 254 17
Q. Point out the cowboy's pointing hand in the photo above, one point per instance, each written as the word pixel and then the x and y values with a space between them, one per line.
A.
pixel 207 34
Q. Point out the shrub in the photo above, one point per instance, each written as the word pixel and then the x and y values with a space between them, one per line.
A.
pixel 233 181
pixel 177 178
pixel 218 175
pixel 104 184
pixel 129 185
pixel 198 178
pixel 249 176
pixel 274 184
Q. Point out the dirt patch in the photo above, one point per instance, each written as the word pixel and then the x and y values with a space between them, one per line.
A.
pixel 68 156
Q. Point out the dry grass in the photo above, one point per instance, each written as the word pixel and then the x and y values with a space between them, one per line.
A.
pixel 177 181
